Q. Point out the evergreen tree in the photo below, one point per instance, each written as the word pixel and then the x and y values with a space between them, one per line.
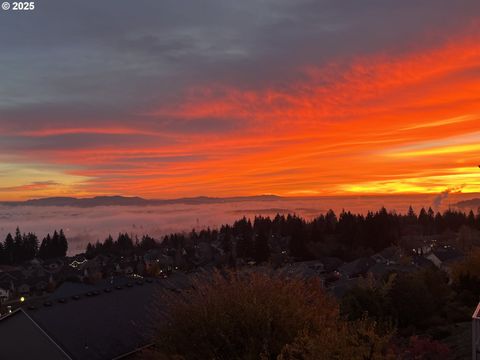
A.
pixel 8 248
pixel 2 254
pixel 18 255
pixel 62 244
pixel 244 233
pixel 45 251
pixel 124 243
pixel 298 238
pixel 108 244
pixel 147 243
pixel 30 246
pixel 90 251
pixel 261 247
pixel 262 227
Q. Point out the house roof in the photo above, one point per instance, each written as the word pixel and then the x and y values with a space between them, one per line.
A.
pixel 331 263
pixel 11 275
pixel 69 289
pixel 421 261
pixel 447 253
pixel 18 329
pixel 380 270
pixel 357 267
pixel 104 324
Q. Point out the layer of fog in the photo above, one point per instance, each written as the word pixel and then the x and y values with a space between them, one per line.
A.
pixel 83 225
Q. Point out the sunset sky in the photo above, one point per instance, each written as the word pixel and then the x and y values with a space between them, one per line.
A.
pixel 174 98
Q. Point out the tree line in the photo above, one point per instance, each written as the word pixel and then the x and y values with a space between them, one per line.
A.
pixel 124 244
pixel 347 235
pixel 22 247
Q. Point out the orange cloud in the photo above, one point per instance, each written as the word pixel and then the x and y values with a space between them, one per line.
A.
pixel 377 124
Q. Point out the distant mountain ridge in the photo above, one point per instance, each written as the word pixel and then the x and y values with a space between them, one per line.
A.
pixel 472 203
pixel 131 201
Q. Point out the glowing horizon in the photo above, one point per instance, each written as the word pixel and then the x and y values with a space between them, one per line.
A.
pixel 390 120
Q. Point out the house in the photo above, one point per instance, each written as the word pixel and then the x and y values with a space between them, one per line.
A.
pixel 421 262
pixel 8 277
pixel 54 265
pixel 107 320
pixel 331 263
pixel 77 261
pixel 204 253
pixel 380 271
pixel 22 288
pixel 4 292
pixel 155 263
pixel 390 255
pixel 476 334
pixel 7 286
pixel 31 269
pixel 444 256
pixel 92 270
pixel 356 268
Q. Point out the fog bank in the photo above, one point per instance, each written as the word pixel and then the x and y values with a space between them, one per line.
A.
pixel 83 225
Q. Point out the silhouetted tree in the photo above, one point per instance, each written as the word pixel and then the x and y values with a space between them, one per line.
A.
pixel 44 252
pixel 296 231
pixel 53 246
pixel 147 243
pixel 262 230
pixel 9 248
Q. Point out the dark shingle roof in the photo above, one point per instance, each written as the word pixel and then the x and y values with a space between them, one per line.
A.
pixel 357 267
pixel 103 324
pixel 447 254
pixel 421 261
pixel 22 339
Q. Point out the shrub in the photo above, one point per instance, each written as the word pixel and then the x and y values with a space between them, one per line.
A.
pixel 426 349
pixel 253 316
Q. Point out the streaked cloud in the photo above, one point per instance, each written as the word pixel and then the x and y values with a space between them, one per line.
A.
pixel 444 122
pixel 170 99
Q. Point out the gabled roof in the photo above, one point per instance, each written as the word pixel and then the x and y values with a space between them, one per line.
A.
pixel 107 322
pixel 11 275
pixel 447 253
pixel 23 339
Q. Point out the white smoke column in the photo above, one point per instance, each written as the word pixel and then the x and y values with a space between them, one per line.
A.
pixel 440 198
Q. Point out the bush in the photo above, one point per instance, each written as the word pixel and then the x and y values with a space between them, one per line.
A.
pixel 411 301
pixel 425 349
pixel 253 316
